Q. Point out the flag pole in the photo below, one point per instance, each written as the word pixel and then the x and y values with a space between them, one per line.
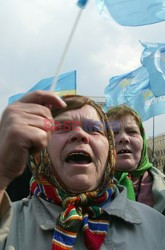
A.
pixel 153 141
pixel 81 4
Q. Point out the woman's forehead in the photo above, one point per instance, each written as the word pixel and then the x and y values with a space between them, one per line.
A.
pixel 128 121
pixel 85 112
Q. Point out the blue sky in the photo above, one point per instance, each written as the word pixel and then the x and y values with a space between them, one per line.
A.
pixel 33 36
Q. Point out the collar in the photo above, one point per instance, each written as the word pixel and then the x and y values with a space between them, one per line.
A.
pixel 45 212
pixel 122 207
pixel 158 189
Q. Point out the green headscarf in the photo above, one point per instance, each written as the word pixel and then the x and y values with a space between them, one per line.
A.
pixel 144 164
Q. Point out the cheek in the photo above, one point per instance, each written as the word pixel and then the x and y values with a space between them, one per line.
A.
pixel 51 151
pixel 55 145
pixel 104 149
pixel 139 147
pixel 100 148
pixel 116 139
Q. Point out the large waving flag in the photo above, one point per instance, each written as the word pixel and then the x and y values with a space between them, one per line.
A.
pixel 145 103
pixel 133 12
pixel 66 85
pixel 134 90
pixel 118 85
pixel 153 59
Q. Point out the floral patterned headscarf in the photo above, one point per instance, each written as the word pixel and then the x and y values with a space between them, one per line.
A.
pixel 80 210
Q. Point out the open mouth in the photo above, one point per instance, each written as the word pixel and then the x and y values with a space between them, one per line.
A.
pixel 124 151
pixel 78 158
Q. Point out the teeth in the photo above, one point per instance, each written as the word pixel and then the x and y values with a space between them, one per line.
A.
pixel 79 157
pixel 78 153
pixel 124 151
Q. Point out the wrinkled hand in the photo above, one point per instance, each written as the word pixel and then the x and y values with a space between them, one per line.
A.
pixel 22 130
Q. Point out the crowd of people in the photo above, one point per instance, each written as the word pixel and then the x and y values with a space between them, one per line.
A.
pixel 88 184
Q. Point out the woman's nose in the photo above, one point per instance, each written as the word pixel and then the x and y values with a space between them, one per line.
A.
pixel 123 138
pixel 79 135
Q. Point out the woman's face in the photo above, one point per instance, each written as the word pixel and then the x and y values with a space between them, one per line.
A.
pixel 129 144
pixel 79 151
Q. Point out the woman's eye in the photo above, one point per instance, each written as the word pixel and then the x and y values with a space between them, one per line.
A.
pixel 61 129
pixel 95 130
pixel 58 127
pixel 132 132
pixel 115 132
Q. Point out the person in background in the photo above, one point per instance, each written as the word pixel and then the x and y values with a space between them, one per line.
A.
pixel 74 202
pixel 144 182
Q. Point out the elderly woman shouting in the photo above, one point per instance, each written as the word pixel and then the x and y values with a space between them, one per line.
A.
pixel 144 182
pixel 74 202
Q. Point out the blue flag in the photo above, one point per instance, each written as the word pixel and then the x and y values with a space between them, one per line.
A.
pixel 66 85
pixel 133 12
pixel 14 98
pixel 153 59
pixel 116 91
pixel 146 104
pixel 141 82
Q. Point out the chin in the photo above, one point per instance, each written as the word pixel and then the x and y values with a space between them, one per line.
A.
pixel 78 190
pixel 78 186
pixel 124 168
pixel 126 165
pixel 80 183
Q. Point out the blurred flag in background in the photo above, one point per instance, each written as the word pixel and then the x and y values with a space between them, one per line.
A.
pixel 66 85
pixel 153 59
pixel 133 12
pixel 118 86
pixel 146 104
pixel 134 90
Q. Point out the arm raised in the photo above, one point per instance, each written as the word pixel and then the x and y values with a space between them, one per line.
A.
pixel 22 130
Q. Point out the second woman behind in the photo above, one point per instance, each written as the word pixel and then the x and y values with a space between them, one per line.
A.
pixel 143 181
